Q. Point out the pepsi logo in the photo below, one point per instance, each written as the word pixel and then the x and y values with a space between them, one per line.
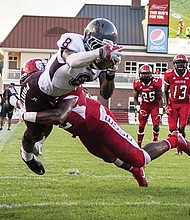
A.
pixel 157 36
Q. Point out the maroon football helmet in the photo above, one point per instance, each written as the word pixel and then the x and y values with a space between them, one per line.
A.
pixel 145 73
pixel 180 62
pixel 31 66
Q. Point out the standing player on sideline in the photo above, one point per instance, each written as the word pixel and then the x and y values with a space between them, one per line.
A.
pixel 176 89
pixel 73 65
pixel 150 90
pixel 7 109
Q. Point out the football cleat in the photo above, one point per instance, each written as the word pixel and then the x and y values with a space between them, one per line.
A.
pixel 139 175
pixel 35 165
pixel 182 144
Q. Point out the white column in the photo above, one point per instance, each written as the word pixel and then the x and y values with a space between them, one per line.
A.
pixel 5 66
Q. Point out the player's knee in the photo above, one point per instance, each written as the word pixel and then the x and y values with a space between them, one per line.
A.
pixel 139 161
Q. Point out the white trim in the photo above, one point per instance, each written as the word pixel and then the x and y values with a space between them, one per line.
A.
pixel 140 54
pixel 21 50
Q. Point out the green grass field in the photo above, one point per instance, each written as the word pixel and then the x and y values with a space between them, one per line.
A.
pixel 178 8
pixel 79 186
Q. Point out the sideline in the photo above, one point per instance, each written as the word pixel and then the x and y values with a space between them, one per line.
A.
pixel 5 134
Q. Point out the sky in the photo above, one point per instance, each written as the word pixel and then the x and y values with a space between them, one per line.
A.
pixel 12 10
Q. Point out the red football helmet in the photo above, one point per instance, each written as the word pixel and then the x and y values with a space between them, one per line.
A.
pixel 180 62
pixel 145 73
pixel 31 66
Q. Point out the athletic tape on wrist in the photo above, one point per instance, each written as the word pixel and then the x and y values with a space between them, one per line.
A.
pixel 30 116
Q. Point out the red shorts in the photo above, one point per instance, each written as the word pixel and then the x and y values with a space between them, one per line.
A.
pixel 151 110
pixel 179 115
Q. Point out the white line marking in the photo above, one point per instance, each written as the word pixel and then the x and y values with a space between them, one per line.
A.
pixel 19 205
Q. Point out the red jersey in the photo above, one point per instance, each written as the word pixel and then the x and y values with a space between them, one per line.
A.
pixel 148 92
pixel 179 86
pixel 100 133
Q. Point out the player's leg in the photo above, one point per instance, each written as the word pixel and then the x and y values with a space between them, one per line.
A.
pixel 156 149
pixel 183 118
pixel 156 120
pixel 10 115
pixel 3 116
pixel 33 134
pixel 96 147
pixel 141 127
pixel 173 119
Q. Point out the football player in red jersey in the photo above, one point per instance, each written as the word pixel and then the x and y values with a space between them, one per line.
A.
pixel 180 27
pixel 176 89
pixel 150 90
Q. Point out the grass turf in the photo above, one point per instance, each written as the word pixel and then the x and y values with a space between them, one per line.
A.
pixel 79 186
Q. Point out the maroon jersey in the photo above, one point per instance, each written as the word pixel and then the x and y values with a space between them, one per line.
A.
pixel 179 86
pixel 148 92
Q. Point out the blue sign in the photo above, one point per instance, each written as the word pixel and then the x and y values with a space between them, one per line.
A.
pixel 157 39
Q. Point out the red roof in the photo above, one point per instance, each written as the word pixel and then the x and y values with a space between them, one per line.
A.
pixel 42 32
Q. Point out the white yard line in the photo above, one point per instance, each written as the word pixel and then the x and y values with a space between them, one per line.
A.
pixel 19 205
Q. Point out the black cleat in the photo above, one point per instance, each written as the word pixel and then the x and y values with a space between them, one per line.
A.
pixel 35 165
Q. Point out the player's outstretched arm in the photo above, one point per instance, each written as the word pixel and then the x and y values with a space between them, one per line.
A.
pixel 52 116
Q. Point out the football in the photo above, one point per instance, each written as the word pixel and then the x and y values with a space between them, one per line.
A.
pixel 102 64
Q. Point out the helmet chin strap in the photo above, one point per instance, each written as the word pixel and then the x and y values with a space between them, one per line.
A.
pixel 146 81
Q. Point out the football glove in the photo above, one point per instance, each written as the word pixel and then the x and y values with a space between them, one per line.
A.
pixel 143 112
pixel 168 110
pixel 111 71
pixel 159 116
pixel 110 52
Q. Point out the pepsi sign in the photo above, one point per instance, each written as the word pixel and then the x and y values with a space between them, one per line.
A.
pixel 157 39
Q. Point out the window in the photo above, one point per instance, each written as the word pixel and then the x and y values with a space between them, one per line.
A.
pixel 13 60
pixel 132 67
pixel 131 105
pixel 162 67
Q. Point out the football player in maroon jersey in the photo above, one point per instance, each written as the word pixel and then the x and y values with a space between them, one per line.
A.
pixel 149 89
